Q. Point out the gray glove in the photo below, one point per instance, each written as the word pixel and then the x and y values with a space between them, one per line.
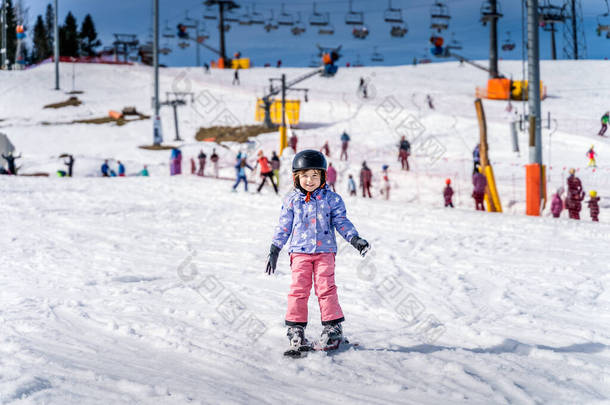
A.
pixel 274 252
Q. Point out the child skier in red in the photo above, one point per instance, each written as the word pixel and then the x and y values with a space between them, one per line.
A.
pixel 310 215
pixel 448 194
pixel 593 205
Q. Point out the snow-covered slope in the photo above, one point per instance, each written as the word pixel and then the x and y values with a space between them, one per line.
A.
pixel 152 290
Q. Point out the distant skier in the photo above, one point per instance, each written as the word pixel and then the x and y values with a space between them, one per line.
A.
pixel 366 177
pixel 312 250
pixel 605 119
pixel 351 185
pixel 362 88
pixel 476 157
pixel 404 150
pixel 240 168
pixel 206 68
pixel 429 101
pixel 275 167
pixel 593 205
pixel 591 155
pixel 344 145
pixel 557 203
pixel 279 63
pixel 121 169
pixel 266 172
pixel 325 149
pixel 448 194
pixel 214 158
pixel 385 188
pixel 236 77
pixel 193 167
pixel 175 162
pixel 10 160
pixel 144 172
pixel 479 181
pixel 70 164
pixel 331 177
pixel 105 169
pixel 293 142
pixel 575 195
pixel 202 158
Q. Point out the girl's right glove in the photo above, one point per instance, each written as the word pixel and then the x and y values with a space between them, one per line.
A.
pixel 274 252
pixel 360 244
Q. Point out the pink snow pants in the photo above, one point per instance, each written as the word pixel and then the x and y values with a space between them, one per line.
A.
pixel 320 267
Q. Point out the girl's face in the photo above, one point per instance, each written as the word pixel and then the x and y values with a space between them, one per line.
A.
pixel 310 179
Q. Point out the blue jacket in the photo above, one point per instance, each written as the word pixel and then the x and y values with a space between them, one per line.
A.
pixel 121 168
pixel 345 137
pixel 311 225
pixel 105 169
pixel 241 171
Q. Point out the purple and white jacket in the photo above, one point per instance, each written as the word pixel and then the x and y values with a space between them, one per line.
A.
pixel 311 225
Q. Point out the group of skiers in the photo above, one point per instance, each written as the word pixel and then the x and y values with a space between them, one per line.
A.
pixel 202 159
pixel 108 172
pixel 574 198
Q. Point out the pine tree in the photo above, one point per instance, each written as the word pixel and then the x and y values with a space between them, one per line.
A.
pixel 49 22
pixel 88 37
pixel 68 37
pixel 41 48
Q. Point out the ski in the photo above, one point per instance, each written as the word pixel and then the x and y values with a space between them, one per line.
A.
pixel 297 353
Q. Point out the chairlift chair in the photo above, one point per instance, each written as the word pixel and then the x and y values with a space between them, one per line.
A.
pixel 328 29
pixel 231 17
pixel 256 17
pixel 167 31
pixel 392 15
pixel 298 28
pixel 376 56
pixel 285 18
pixel 487 12
pixel 354 17
pixel 318 19
pixel 358 63
pixel 271 24
pixel 315 61
pixel 454 44
pixel 226 27
pixel 183 44
pixel 508 44
pixel 439 16
pixel 360 32
pixel 209 14
pixel 550 13
pixel 399 30
pixel 603 22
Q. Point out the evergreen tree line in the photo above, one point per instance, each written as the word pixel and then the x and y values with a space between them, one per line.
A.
pixel 72 41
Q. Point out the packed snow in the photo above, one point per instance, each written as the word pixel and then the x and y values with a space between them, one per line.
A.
pixel 152 290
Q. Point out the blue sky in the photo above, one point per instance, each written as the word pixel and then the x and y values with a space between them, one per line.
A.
pixel 135 16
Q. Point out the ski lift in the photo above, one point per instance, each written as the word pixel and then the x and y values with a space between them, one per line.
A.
pixel 488 13
pixel 454 44
pixel 182 33
pixel 358 62
pixel 271 24
pixel 399 30
pixel 603 22
pixel 256 17
pixel 360 32
pixel 319 19
pixel 508 44
pixel 439 16
pixel 298 28
pixel 392 15
pixel 225 28
pixel 209 14
pixel 245 18
pixel 183 44
pixel 167 31
pixel 329 29
pixel 231 17
pixel 550 13
pixel 354 17
pixel 285 18
pixel 376 56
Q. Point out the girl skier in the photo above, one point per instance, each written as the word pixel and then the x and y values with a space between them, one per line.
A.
pixel 591 155
pixel 448 194
pixel 593 204
pixel 310 215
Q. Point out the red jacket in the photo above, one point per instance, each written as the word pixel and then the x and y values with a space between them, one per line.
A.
pixel 264 162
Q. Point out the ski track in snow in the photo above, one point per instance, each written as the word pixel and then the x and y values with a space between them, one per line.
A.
pixel 115 290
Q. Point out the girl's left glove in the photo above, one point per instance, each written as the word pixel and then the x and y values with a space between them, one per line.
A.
pixel 360 244
pixel 274 252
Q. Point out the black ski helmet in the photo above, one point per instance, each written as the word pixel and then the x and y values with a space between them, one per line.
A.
pixel 308 159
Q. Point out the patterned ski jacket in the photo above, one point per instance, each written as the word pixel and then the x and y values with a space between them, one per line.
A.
pixel 310 225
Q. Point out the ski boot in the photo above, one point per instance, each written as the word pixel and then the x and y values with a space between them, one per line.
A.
pixel 299 346
pixel 331 337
